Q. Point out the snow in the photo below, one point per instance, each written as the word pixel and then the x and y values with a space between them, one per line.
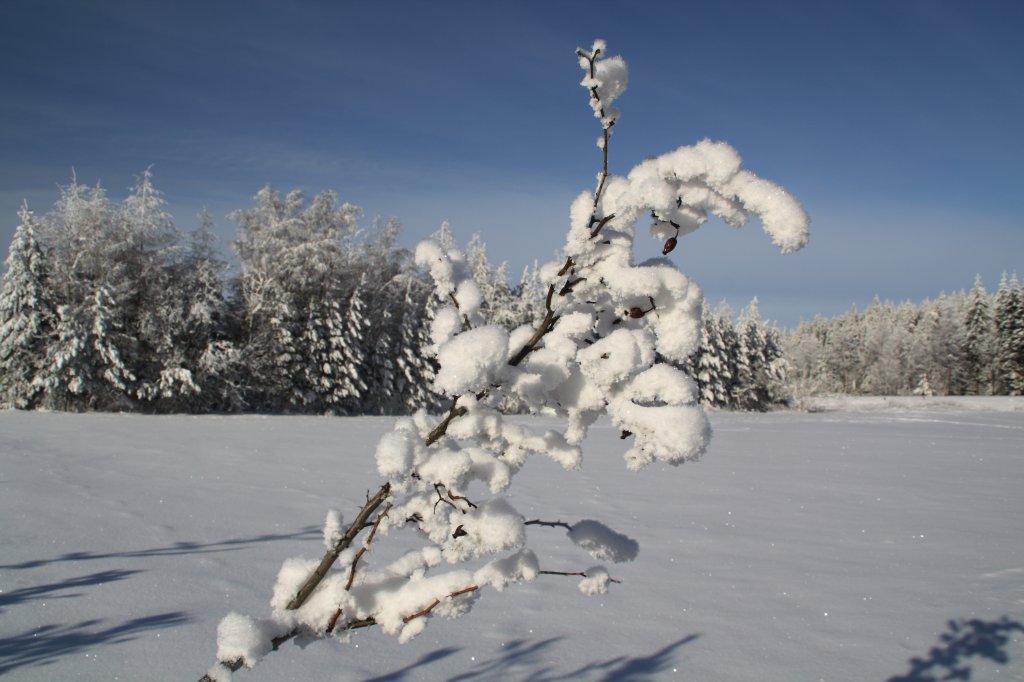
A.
pixel 603 543
pixel 240 636
pixel 595 581
pixel 835 545
pixel 471 359
pixel 333 528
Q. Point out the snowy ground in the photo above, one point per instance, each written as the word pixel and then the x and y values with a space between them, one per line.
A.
pixel 832 545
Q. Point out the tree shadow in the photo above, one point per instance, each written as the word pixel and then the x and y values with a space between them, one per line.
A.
pixel 963 640
pixel 177 549
pixel 531 658
pixel 48 590
pixel 643 667
pixel 413 668
pixel 517 652
pixel 43 645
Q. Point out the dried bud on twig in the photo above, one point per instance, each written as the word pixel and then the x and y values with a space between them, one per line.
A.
pixel 637 312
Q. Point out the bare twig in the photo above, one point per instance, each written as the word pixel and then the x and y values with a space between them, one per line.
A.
pixel 550 524
pixel 580 574
pixel 452 498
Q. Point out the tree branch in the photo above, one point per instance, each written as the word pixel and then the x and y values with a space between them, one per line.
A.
pixel 442 428
pixel 437 602
pixel 332 554
pixel 542 329
pixel 365 548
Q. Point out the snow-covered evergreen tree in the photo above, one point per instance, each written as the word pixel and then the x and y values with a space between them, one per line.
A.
pixel 352 386
pixel 713 366
pixel 805 350
pixel 201 370
pixel 27 315
pixel 291 253
pixel 528 296
pixel 760 367
pixel 842 349
pixel 111 347
pixel 979 341
pixel 318 382
pixel 748 391
pixel 499 305
pixel 66 377
pixel 1009 344
pixel 386 272
pixel 84 368
pixel 880 349
pixel 942 354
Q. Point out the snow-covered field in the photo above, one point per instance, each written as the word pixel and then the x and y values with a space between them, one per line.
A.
pixel 838 544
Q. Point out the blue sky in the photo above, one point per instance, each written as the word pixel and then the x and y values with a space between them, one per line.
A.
pixel 898 124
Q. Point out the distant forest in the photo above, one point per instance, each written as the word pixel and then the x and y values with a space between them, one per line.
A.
pixel 968 343
pixel 109 306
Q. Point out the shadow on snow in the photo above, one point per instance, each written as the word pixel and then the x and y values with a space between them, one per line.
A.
pixel 527 658
pixel 963 640
pixel 45 644
pixel 178 548
pixel 48 591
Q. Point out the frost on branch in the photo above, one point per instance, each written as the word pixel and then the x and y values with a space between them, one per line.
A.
pixel 603 348
pixel 606 78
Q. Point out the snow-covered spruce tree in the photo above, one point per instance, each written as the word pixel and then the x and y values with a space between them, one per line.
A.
pixel 713 366
pixel 595 352
pixel 979 340
pixel 201 370
pixel 145 255
pixel 293 255
pixel 879 352
pixel 1009 323
pixel 760 365
pixel 93 347
pixel 27 314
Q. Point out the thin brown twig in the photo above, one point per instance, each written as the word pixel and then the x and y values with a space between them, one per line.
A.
pixel 580 574
pixel 452 498
pixel 365 548
pixel 550 524
pixel 437 602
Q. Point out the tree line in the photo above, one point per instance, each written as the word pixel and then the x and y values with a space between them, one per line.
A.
pixel 109 306
pixel 968 343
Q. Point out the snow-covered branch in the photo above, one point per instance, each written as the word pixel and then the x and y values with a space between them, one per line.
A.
pixel 603 347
